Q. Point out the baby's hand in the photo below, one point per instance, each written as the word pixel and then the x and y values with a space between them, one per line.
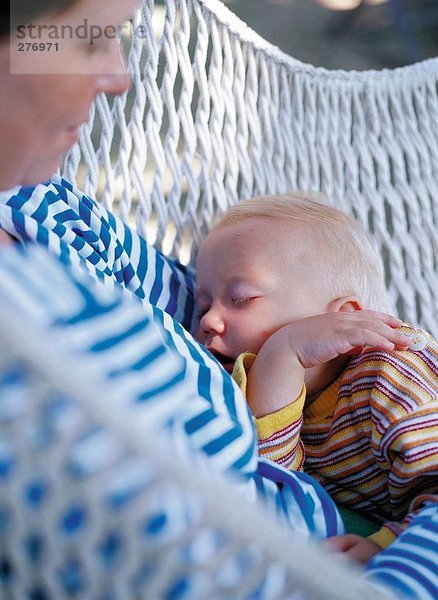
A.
pixel 321 338
pixel 355 547
pixel 277 376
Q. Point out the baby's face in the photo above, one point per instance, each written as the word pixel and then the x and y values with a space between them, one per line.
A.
pixel 252 278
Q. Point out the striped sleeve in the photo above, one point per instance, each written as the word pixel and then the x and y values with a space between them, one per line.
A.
pixel 86 236
pixel 115 337
pixel 409 564
pixel 70 224
pixel 215 415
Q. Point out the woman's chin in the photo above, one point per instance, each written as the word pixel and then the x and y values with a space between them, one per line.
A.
pixel 40 176
pixel 43 171
pixel 72 135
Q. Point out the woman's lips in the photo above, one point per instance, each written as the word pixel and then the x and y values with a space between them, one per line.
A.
pixel 73 134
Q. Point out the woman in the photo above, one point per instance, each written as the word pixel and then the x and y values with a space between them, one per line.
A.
pixel 40 112
pixel 42 104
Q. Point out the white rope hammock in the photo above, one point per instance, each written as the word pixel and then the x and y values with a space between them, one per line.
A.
pixel 216 114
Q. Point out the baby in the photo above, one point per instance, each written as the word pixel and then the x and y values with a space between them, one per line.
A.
pixel 290 294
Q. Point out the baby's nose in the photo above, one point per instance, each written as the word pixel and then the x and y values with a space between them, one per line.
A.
pixel 212 322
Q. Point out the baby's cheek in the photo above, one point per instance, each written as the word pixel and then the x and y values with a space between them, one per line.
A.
pixel 5 238
pixel 198 335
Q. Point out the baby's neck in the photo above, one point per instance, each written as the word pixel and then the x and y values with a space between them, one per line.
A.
pixel 320 377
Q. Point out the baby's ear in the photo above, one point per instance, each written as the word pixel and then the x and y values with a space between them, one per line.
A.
pixel 345 304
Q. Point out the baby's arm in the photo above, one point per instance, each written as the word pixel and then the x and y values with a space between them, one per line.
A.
pixel 273 381
pixel 277 375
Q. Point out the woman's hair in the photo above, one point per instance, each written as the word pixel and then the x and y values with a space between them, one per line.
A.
pixel 26 11
pixel 349 263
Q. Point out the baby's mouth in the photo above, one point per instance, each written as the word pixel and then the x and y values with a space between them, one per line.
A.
pixel 225 361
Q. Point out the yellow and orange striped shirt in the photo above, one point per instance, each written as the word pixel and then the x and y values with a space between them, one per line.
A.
pixel 370 438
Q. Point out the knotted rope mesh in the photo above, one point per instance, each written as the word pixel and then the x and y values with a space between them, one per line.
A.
pixel 216 114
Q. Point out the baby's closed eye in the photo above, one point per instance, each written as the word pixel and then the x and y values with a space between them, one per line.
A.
pixel 240 302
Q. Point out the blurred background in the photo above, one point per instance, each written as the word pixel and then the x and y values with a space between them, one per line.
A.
pixel 346 34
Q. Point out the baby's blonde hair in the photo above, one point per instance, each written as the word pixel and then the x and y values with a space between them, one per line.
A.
pixel 350 265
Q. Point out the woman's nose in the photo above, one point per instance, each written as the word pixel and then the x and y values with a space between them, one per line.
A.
pixel 114 78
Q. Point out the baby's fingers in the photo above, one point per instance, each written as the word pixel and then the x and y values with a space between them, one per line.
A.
pixel 384 317
pixel 383 332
